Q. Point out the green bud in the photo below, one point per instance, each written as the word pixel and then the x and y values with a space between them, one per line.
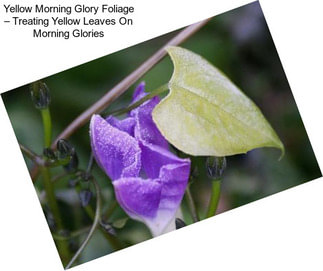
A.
pixel 64 148
pixel 49 154
pixel 40 94
pixel 215 166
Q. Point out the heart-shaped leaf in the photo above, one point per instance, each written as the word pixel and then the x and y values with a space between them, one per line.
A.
pixel 206 114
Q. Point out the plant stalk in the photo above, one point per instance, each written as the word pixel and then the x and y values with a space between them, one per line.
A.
pixel 45 113
pixel 62 245
pixel 215 196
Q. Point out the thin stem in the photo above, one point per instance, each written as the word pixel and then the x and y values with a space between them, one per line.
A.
pixel 71 235
pixel 31 155
pixel 51 200
pixel 114 242
pixel 151 94
pixel 215 196
pixel 64 175
pixel 47 122
pixel 191 205
pixel 121 87
pixel 94 225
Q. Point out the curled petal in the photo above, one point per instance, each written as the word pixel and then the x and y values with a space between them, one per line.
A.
pixel 174 178
pixel 116 152
pixel 145 128
pixel 127 125
pixel 154 158
pixel 138 197
pixel 154 201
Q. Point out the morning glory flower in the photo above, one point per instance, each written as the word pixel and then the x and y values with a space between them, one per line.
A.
pixel 149 180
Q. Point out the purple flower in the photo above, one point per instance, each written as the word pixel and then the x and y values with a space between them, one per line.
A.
pixel 148 179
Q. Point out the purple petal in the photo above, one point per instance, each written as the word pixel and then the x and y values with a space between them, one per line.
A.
pixel 138 197
pixel 174 178
pixel 154 201
pixel 138 93
pixel 116 152
pixel 145 128
pixel 154 157
pixel 127 125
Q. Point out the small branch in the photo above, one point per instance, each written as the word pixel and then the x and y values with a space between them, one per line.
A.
pixel 31 155
pixel 120 88
pixel 94 225
pixel 65 175
pixel 71 235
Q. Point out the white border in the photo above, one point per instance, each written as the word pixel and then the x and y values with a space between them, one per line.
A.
pixel 281 232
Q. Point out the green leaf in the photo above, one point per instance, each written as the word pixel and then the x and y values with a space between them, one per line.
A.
pixel 206 114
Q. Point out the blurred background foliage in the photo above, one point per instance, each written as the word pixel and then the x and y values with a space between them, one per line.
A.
pixel 237 42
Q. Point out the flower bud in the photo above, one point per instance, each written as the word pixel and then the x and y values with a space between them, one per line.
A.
pixel 215 166
pixel 179 223
pixel 85 197
pixel 49 154
pixel 40 94
pixel 64 148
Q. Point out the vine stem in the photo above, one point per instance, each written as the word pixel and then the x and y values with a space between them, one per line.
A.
pixel 32 156
pixel 93 227
pixel 45 113
pixel 215 196
pixel 121 87
pixel 48 185
pixel 72 234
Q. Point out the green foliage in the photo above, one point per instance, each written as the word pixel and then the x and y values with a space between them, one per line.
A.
pixel 206 114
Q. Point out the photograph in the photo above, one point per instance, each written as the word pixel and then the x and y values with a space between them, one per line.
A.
pixel 161 135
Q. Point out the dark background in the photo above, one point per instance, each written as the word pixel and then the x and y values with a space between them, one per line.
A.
pixel 237 42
